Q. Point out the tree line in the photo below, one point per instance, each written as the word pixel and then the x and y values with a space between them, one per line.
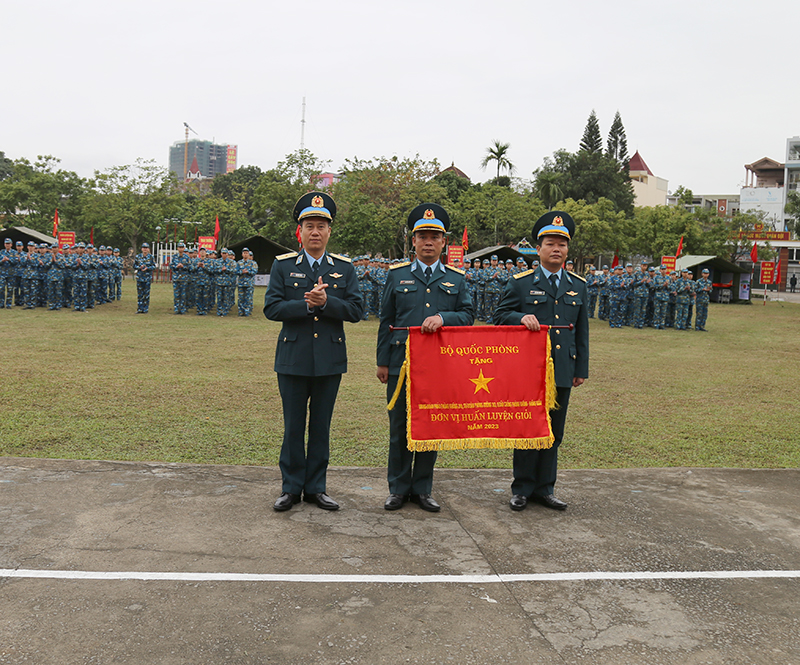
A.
pixel 124 205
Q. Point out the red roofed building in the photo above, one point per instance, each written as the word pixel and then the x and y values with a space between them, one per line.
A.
pixel 649 189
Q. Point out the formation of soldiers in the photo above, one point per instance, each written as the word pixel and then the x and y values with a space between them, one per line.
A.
pixel 648 297
pixel 203 281
pixel 42 275
pixel 486 280
pixel 371 273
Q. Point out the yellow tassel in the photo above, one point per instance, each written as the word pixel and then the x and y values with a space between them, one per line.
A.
pixel 399 387
pixel 550 381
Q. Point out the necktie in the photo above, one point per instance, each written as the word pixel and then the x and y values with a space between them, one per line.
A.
pixel 428 273
pixel 314 268
pixel 554 281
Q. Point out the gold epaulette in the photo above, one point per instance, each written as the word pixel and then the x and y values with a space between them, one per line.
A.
pixel 400 265
pixel 340 257
pixel 522 274
pixel 574 274
pixel 288 255
pixel 458 270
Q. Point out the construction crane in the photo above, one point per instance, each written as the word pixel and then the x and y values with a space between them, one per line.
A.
pixel 186 149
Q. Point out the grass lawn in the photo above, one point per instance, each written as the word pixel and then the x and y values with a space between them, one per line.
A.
pixel 111 384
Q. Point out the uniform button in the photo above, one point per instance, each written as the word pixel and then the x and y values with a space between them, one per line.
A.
pixel 558 332
pixel 295 283
pixel 315 335
pixel 535 302
pixel 558 346
pixel 428 290
pixel 316 318
pixel 556 315
pixel 556 302
pixel 340 339
pixel 427 304
pixel 284 339
pixel 405 290
pixel 335 286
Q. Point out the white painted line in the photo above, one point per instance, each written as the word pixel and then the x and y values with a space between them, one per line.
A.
pixel 397 579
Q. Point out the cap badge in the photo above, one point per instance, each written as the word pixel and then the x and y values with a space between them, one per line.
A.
pixel 558 221
pixel 429 214
pixel 317 202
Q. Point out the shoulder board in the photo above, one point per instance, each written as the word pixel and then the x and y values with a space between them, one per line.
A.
pixel 289 255
pixel 454 269
pixel 340 257
pixel 400 265
pixel 523 274
pixel 574 274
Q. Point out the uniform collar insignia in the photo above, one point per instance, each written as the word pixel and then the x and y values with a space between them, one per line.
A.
pixel 299 260
pixel 330 260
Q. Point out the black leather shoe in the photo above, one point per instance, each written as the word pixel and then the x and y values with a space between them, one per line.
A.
pixel 426 502
pixel 550 501
pixel 518 502
pixel 395 501
pixel 322 500
pixel 286 501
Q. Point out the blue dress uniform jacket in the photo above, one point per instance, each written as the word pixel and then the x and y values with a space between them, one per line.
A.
pixel 531 292
pixel 310 360
pixel 312 343
pixel 408 299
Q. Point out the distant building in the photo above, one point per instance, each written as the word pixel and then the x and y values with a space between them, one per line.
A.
pixel 323 180
pixel 764 191
pixel 649 189
pixel 726 205
pixel 454 169
pixel 211 159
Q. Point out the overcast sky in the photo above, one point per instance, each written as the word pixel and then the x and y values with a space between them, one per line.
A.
pixel 703 87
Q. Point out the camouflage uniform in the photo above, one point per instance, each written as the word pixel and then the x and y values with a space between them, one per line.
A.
pixel 661 286
pixel 204 278
pixel 179 267
pixel 247 269
pixel 602 294
pixel 592 289
pixel 115 291
pixel 495 281
pixel 8 267
pixel 44 259
pixel 629 280
pixel 143 266
pixel 55 281
pixel 79 278
pixel 226 283
pixel 703 292
pixel 191 280
pixel 682 293
pixel 669 319
pixel 616 299
pixel 28 264
pixel 641 292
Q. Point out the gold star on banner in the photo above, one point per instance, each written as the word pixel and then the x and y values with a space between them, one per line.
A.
pixel 482 382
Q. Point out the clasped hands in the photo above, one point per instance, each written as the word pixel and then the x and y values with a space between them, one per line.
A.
pixel 318 296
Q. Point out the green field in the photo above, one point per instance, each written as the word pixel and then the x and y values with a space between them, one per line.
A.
pixel 110 384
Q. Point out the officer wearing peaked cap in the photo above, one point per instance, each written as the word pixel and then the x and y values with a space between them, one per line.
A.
pixel 311 292
pixel 422 293
pixel 549 295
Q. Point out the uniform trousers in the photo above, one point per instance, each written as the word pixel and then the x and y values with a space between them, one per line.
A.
pixel 535 470
pixel 408 472
pixel 304 467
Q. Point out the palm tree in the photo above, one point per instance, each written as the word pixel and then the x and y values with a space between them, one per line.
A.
pixel 548 188
pixel 498 153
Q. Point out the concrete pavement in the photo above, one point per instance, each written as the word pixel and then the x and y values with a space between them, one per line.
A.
pixel 64 517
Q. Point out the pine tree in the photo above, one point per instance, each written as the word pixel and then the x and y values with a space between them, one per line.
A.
pixel 592 142
pixel 617 146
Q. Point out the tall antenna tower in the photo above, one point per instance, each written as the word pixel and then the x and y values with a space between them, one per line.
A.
pixel 303 127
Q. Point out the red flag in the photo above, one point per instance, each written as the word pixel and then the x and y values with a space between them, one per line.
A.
pixel 465 240
pixel 680 248
pixel 216 233
pixel 55 225
pixel 297 235
pixel 615 262
pixel 754 253
pixel 91 236
pixel 482 404
pixel 778 269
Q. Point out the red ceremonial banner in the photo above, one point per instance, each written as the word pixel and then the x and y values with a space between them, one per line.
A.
pixel 669 262
pixel 478 387
pixel 455 255
pixel 767 272
pixel 207 242
pixel 66 238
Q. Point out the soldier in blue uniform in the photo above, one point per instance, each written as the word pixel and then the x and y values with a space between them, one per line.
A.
pixel 669 319
pixel 55 279
pixel 312 293
pixel 483 279
pixel 246 275
pixel 8 265
pixel 19 298
pixel 179 267
pixel 641 292
pixel 79 277
pixel 592 289
pixel 691 291
pixel 204 278
pixel 191 279
pixel 143 267
pixel 549 295
pixel 661 285
pixel 628 282
pixel 703 293
pixel 616 298
pixel 43 265
pixel 226 282
pixel 682 291
pixel 494 287
pixel 28 264
pixel 603 307
pixel 423 293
